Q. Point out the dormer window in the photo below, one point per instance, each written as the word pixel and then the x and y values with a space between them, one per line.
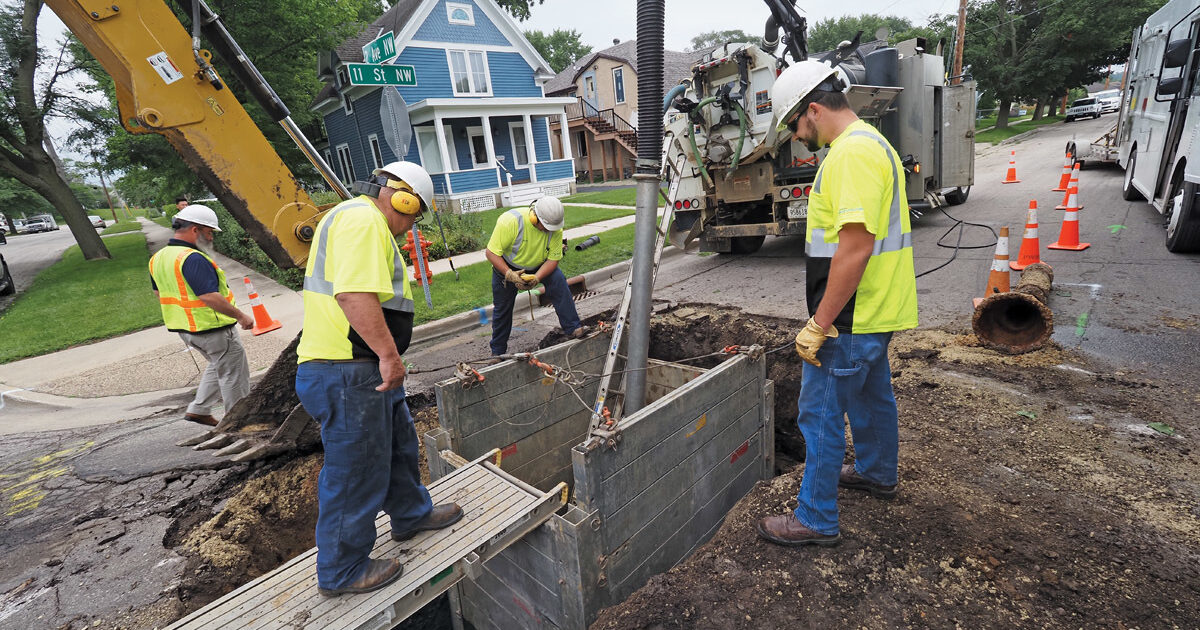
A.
pixel 343 77
pixel 461 14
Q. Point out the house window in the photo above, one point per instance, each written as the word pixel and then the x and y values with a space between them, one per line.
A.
pixel 343 77
pixel 469 72
pixel 619 84
pixel 347 105
pixel 345 164
pixel 463 14
pixel 376 153
pixel 478 146
pixel 581 142
pixel 516 133
pixel 427 148
pixel 329 159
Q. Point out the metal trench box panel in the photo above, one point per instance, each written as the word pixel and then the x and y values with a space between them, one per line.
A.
pixel 701 443
pixel 499 510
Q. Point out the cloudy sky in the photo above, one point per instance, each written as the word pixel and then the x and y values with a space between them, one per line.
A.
pixel 687 18
pixel 618 19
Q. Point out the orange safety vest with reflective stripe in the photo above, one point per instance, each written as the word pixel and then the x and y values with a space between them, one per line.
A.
pixel 182 311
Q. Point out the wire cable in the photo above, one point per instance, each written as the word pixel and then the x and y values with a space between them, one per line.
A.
pixel 961 226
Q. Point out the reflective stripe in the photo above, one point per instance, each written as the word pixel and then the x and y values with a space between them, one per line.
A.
pixel 318 284
pixel 895 240
pixel 516 248
pixel 185 300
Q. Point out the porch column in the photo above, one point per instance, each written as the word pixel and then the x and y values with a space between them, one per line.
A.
pixel 565 131
pixel 491 150
pixel 530 148
pixel 447 163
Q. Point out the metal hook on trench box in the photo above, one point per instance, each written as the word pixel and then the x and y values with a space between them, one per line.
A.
pixel 468 376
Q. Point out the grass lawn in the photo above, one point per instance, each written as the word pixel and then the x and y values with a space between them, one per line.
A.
pixel 123 226
pixel 474 289
pixel 576 216
pixel 996 135
pixel 163 221
pixel 74 301
pixel 616 197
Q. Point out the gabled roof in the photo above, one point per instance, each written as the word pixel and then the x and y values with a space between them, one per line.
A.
pixel 392 20
pixel 676 66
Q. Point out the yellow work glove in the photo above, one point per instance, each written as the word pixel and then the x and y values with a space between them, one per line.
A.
pixel 530 279
pixel 516 279
pixel 810 339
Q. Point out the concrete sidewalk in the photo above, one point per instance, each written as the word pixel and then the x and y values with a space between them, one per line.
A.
pixel 148 371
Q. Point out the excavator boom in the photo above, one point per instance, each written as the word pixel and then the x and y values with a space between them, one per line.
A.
pixel 163 86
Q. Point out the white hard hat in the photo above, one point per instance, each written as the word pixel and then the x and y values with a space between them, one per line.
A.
pixel 550 213
pixel 797 82
pixel 200 215
pixel 413 175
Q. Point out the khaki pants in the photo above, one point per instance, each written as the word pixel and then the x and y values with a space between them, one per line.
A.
pixel 228 373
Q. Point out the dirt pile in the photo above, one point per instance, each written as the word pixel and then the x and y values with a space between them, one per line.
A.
pixel 1042 490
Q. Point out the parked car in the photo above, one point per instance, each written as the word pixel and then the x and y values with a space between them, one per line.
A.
pixel 37 224
pixel 3 238
pixel 1084 108
pixel 1110 100
pixel 7 286
pixel 97 222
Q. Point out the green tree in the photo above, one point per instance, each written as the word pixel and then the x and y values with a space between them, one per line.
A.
pixel 827 34
pixel 518 8
pixel 559 48
pixel 716 38
pixel 31 91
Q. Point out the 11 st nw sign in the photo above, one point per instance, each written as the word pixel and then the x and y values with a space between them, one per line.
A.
pixel 381 74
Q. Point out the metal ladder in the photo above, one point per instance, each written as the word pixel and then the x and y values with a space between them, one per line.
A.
pixel 499 510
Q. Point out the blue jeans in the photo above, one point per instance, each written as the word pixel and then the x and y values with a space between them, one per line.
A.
pixel 370 464
pixel 854 380
pixel 504 296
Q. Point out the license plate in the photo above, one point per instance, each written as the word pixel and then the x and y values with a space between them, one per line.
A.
pixel 798 209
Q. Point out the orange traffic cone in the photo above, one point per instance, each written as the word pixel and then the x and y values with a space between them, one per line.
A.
pixel 1064 182
pixel 1072 189
pixel 262 321
pixel 1011 177
pixel 1030 246
pixel 998 281
pixel 1068 237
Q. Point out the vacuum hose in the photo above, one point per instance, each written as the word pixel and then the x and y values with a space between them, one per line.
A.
pixel 588 243
pixel 1018 321
pixel 650 24
pixel 770 40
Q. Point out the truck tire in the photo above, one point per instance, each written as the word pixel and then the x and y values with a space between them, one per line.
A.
pixel 742 245
pixel 7 286
pixel 1128 192
pixel 1183 226
pixel 958 196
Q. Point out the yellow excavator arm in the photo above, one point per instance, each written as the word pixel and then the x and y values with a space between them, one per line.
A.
pixel 165 85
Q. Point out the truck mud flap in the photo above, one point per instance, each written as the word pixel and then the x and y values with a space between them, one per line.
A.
pixel 684 230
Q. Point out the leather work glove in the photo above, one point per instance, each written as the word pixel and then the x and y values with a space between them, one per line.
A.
pixel 515 278
pixel 530 279
pixel 810 339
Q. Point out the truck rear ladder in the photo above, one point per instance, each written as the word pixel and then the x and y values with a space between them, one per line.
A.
pixel 499 510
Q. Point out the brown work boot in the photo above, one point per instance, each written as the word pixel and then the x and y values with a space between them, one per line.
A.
pixel 784 529
pixel 205 419
pixel 581 332
pixel 440 516
pixel 379 574
pixel 849 478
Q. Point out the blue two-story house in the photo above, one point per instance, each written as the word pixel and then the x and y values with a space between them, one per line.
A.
pixel 475 116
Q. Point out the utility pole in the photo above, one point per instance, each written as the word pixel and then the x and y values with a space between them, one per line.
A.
pixel 106 195
pixel 959 36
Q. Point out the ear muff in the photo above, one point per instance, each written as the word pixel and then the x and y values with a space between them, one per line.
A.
pixel 404 200
pixel 533 217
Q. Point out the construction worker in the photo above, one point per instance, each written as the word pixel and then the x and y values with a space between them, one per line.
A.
pixel 860 288
pixel 358 321
pixel 196 303
pixel 524 250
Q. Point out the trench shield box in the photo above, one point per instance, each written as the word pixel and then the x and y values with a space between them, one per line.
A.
pixel 698 446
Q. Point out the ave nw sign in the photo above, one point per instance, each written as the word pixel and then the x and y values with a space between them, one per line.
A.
pixel 377 74
pixel 381 50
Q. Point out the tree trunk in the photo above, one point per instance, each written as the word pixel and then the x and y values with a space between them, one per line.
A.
pixel 1053 106
pixel 1004 104
pixel 51 186
pixel 1037 110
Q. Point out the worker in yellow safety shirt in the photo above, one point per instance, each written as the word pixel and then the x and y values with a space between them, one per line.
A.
pixel 525 249
pixel 358 321
pixel 860 288
pixel 196 303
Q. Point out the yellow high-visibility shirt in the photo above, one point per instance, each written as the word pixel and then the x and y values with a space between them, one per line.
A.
pixel 861 180
pixel 521 244
pixel 353 252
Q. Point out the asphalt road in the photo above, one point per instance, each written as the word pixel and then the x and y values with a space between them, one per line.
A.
pixel 28 254
pixel 100 499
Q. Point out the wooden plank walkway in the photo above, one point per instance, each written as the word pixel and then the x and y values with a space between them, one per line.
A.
pixel 499 510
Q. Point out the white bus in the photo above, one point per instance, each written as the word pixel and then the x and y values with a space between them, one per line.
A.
pixel 1159 147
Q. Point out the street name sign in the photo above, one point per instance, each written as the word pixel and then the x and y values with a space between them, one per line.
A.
pixel 382 50
pixel 381 74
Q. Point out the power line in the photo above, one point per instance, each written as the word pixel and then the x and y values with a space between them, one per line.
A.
pixel 1021 16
